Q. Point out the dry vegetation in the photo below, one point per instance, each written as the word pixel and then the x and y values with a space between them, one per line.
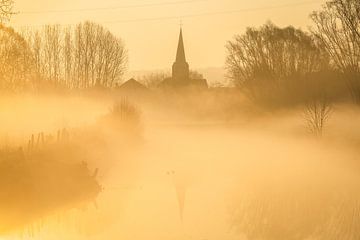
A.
pixel 49 173
pixel 46 177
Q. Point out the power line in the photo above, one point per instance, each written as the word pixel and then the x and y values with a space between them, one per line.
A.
pixel 204 14
pixel 112 8
pixel 216 13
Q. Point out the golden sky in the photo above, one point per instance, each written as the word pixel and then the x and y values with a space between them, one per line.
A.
pixel 150 27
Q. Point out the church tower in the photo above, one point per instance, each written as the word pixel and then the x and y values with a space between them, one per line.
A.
pixel 180 68
pixel 180 72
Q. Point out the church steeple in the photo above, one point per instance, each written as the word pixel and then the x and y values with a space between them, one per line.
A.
pixel 180 69
pixel 180 54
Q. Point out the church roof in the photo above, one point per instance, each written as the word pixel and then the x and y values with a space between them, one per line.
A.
pixel 132 84
pixel 180 54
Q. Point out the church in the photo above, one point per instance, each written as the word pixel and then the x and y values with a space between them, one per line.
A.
pixel 181 73
pixel 180 79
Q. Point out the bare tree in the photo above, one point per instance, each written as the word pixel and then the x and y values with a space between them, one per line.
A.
pixel 153 79
pixel 317 112
pixel 68 57
pixel 195 75
pixel 100 57
pixel 337 26
pixel 6 10
pixel 264 59
pixel 52 50
pixel 78 57
pixel 16 62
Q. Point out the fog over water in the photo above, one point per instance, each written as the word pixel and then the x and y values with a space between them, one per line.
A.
pixel 195 179
pixel 180 120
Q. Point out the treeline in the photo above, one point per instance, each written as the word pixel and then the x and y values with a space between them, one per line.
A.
pixel 78 57
pixel 152 79
pixel 278 66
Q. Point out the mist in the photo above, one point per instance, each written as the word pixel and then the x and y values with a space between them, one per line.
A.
pixel 263 147
pixel 200 176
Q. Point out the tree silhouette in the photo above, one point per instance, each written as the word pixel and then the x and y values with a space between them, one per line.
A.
pixel 153 79
pixel 16 63
pixel 265 59
pixel 317 112
pixel 79 57
pixel 6 10
pixel 337 27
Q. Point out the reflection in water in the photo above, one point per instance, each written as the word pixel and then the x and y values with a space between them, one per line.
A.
pixel 180 181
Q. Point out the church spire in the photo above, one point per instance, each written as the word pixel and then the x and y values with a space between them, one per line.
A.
pixel 180 54
pixel 180 69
